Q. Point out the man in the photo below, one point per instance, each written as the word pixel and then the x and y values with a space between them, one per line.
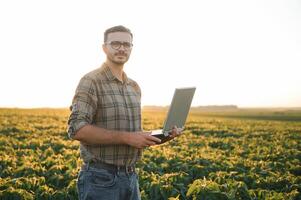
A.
pixel 106 119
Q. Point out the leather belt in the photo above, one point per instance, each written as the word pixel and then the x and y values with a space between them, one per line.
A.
pixel 110 167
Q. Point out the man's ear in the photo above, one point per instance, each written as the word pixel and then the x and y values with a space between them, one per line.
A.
pixel 104 48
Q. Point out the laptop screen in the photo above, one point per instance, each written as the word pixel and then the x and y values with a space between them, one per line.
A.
pixel 179 108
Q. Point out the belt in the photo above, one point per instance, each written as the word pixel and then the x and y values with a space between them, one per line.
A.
pixel 110 167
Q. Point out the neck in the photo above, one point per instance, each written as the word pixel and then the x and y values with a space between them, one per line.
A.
pixel 117 69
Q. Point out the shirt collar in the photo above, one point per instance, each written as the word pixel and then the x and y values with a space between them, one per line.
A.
pixel 111 76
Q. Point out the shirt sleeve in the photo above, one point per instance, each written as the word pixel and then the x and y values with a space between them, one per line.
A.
pixel 137 88
pixel 84 105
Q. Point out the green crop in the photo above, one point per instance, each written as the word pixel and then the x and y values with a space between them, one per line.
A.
pixel 247 155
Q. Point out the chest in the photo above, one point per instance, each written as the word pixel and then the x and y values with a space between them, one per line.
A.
pixel 119 96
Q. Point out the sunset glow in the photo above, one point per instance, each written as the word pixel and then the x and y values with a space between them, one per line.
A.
pixel 245 53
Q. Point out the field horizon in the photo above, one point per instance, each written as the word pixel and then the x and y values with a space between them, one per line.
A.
pixel 199 107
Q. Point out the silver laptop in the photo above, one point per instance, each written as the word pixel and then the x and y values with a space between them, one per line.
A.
pixel 177 113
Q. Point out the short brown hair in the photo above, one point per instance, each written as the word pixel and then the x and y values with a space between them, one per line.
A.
pixel 113 29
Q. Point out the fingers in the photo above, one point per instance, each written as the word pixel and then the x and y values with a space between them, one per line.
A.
pixel 146 140
pixel 147 143
pixel 150 143
pixel 175 131
pixel 153 139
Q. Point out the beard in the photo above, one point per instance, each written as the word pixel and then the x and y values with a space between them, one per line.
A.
pixel 119 58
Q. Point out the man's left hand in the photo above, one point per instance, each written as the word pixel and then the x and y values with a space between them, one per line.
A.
pixel 175 132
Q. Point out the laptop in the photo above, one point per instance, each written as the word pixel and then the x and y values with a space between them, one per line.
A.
pixel 177 113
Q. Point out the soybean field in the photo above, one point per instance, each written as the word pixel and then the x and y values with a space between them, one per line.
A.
pixel 244 154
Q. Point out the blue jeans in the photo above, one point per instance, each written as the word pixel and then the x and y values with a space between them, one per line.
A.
pixel 101 184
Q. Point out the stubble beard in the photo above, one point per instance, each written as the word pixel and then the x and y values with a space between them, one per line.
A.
pixel 114 59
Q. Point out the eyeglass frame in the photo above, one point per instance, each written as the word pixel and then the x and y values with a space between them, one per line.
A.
pixel 121 44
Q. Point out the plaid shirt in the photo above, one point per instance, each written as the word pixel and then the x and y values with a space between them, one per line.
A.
pixel 104 101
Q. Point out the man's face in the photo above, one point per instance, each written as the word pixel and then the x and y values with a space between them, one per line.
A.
pixel 118 47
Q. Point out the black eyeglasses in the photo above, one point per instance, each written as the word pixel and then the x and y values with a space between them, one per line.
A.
pixel 116 45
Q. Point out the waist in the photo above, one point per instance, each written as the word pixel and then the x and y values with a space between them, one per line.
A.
pixel 112 154
pixel 109 167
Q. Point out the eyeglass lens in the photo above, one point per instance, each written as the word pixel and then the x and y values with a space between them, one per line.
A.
pixel 116 45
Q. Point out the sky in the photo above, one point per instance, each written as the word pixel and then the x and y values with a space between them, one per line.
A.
pixel 245 53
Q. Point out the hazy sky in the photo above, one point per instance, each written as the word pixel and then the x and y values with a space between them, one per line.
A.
pixel 246 53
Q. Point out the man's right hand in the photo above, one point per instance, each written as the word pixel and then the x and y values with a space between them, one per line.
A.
pixel 141 139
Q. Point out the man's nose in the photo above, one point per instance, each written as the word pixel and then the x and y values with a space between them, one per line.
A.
pixel 122 47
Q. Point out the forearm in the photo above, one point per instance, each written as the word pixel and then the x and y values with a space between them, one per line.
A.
pixel 90 134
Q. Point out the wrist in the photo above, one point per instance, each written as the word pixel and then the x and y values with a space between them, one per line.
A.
pixel 124 138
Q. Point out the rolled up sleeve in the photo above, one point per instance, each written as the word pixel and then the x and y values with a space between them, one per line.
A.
pixel 84 105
